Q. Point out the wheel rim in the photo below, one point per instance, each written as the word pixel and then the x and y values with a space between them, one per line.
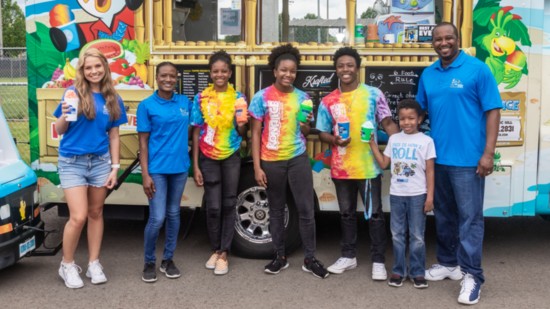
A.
pixel 252 221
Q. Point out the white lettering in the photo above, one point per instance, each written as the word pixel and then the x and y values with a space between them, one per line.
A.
pixel 274 125
pixel 314 81
pixel 209 137
pixel 338 110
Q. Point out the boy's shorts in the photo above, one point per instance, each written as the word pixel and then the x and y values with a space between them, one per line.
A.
pixel 85 170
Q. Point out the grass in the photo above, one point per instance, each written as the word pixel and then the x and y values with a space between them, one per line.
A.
pixel 13 80
pixel 14 102
pixel 20 131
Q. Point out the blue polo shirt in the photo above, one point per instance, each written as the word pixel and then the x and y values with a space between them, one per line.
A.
pixel 89 136
pixel 457 98
pixel 167 122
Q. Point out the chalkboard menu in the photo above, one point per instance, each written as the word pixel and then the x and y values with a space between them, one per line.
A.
pixel 316 81
pixel 397 83
pixel 194 78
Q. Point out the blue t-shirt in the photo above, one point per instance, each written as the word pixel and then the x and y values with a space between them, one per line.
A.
pixel 167 122
pixel 89 136
pixel 457 98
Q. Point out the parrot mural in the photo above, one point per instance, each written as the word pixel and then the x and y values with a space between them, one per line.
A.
pixel 497 36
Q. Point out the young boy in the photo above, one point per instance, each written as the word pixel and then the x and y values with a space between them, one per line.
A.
pixel 411 154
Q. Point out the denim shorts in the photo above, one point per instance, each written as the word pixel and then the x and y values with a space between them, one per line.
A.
pixel 85 170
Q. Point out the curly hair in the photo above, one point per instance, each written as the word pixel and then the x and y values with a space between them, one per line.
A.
pixel 82 86
pixel 283 52
pixel 410 104
pixel 220 55
pixel 347 51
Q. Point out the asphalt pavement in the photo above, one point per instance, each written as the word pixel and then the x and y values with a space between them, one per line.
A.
pixel 516 264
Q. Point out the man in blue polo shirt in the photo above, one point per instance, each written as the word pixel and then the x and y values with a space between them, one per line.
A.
pixel 463 103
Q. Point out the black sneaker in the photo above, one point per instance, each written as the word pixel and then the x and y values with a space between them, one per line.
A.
pixel 420 282
pixel 315 267
pixel 169 269
pixel 275 266
pixel 149 272
pixel 395 280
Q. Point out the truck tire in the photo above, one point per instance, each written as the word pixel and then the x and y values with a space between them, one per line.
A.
pixel 252 238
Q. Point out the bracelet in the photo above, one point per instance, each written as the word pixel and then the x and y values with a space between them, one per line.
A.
pixel 117 166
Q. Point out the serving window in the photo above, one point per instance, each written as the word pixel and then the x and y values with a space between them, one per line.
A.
pixel 318 21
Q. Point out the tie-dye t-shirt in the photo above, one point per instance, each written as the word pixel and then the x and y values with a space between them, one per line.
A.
pixel 355 161
pixel 215 143
pixel 281 135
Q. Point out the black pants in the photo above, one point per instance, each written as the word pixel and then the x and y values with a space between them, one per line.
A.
pixel 295 174
pixel 346 192
pixel 221 178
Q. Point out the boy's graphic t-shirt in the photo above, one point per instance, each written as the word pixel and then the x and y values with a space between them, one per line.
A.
pixel 220 142
pixel 408 154
pixel 355 161
pixel 281 136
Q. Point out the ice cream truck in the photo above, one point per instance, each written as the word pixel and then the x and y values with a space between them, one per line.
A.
pixel 393 38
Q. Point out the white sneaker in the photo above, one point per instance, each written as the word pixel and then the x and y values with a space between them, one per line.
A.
pixel 342 264
pixel 439 272
pixel 95 272
pixel 69 272
pixel 470 292
pixel 379 271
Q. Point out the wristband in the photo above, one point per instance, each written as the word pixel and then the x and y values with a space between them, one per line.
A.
pixel 117 166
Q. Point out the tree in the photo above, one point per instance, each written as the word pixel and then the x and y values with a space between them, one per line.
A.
pixel 369 13
pixel 313 34
pixel 13 27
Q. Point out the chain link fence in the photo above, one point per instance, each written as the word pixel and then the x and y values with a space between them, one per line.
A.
pixel 14 97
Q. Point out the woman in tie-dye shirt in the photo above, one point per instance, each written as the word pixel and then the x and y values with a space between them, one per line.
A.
pixel 280 158
pixel 217 164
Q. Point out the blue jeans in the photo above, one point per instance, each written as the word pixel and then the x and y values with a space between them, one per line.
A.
pixel 458 202
pixel 84 170
pixel 165 204
pixel 407 213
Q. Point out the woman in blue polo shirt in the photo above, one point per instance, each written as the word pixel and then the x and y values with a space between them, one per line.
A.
pixel 88 160
pixel 163 120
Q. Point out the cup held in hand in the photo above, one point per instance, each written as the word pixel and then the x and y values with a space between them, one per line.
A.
pixel 71 98
pixel 305 109
pixel 343 129
pixel 366 130
pixel 241 110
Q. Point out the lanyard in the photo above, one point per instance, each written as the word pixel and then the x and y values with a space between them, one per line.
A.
pixel 368 197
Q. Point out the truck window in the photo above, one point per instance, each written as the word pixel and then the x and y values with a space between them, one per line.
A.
pixel 8 151
pixel 207 20
pixel 301 21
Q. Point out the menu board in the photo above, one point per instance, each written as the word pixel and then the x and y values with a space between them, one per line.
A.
pixel 396 83
pixel 192 79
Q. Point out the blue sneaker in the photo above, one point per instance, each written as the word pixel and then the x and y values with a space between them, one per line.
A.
pixel 469 294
